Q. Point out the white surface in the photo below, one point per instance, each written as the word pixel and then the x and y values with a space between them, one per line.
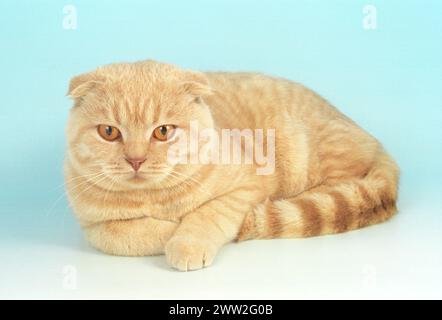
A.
pixel 398 259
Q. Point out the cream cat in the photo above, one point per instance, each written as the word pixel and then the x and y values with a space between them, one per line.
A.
pixel 329 175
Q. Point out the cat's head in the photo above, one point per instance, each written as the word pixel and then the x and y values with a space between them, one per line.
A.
pixel 126 117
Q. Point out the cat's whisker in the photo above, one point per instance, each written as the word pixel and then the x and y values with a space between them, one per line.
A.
pixel 178 182
pixel 93 184
pixel 111 184
pixel 90 180
pixel 158 167
pixel 188 179
pixel 73 179
pixel 187 176
pixel 63 194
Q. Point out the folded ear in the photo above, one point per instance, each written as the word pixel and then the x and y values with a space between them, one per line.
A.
pixel 82 84
pixel 197 84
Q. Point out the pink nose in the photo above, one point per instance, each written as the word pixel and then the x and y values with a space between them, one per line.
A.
pixel 135 163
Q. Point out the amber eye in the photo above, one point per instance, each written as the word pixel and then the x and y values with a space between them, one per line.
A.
pixel 164 133
pixel 108 133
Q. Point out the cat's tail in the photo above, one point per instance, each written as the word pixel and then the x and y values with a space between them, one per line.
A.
pixel 336 206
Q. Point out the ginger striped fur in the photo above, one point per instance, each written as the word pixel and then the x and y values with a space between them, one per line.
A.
pixel 330 175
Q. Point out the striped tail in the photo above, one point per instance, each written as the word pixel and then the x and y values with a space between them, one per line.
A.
pixel 333 207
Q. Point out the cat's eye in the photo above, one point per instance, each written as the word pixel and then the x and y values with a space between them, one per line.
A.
pixel 108 133
pixel 164 132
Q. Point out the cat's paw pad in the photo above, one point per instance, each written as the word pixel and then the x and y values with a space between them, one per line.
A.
pixel 189 254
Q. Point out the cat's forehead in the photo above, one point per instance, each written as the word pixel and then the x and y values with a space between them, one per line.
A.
pixel 142 104
pixel 140 93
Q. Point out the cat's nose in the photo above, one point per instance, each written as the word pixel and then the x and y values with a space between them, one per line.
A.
pixel 135 163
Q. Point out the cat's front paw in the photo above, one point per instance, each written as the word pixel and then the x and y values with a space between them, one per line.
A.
pixel 187 254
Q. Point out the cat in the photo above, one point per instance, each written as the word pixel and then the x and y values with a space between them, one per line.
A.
pixel 329 176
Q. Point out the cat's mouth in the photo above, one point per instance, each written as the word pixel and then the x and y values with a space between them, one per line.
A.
pixel 136 177
pixel 140 177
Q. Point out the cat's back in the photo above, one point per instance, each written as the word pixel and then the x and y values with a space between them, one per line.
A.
pixel 249 99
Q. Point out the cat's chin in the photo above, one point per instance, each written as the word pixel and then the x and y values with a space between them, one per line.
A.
pixel 136 178
pixel 141 181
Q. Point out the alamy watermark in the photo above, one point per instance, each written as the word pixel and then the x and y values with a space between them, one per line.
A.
pixel 69 280
pixel 224 146
pixel 369 20
pixel 70 21
pixel 369 277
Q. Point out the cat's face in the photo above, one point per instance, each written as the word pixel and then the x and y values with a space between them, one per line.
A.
pixel 125 119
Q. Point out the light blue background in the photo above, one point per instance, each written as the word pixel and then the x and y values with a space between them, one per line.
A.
pixel 389 80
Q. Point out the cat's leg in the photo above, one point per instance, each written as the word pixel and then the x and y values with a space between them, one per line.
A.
pixel 133 237
pixel 203 232
pixel 337 205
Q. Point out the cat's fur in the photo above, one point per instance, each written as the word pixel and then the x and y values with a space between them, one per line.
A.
pixel 330 176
